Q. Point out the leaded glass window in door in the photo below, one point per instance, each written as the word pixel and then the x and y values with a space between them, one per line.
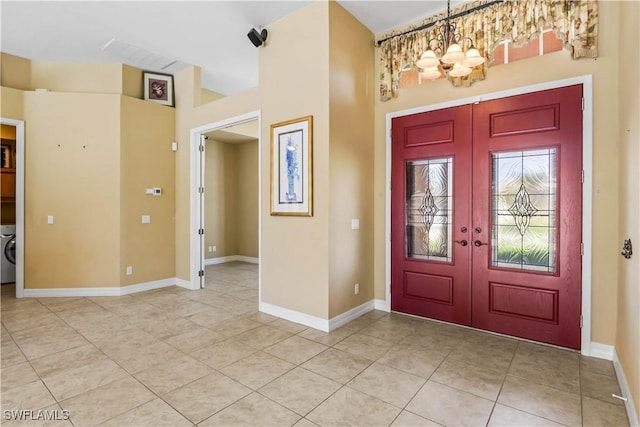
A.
pixel 524 211
pixel 429 209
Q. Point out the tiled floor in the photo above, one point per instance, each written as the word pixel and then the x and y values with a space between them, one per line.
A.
pixel 174 357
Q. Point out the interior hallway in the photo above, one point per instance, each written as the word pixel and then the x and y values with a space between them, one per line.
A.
pixel 174 357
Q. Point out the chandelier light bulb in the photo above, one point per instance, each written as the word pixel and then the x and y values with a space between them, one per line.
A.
pixel 459 70
pixel 454 54
pixel 430 73
pixel 473 58
pixel 428 60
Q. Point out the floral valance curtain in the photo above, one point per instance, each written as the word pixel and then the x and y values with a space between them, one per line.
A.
pixel 574 22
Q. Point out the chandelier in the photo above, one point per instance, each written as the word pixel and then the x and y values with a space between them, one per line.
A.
pixel 445 54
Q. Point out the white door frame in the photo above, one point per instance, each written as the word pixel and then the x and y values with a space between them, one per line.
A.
pixel 19 125
pixel 197 209
pixel 587 166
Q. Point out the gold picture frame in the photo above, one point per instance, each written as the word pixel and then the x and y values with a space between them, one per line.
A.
pixel 292 167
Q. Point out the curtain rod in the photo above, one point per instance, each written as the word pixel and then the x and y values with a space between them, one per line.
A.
pixel 431 24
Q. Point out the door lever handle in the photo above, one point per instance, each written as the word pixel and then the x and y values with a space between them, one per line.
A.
pixel 461 242
pixel 478 243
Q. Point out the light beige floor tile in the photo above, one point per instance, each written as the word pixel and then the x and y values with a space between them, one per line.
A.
pixel 165 328
pixel 337 365
pixel 206 396
pixel 33 395
pixel 305 423
pixel 599 413
pixel 70 304
pixel 79 380
pixel 184 307
pixel 194 339
pixel 349 407
pixel 544 401
pixel 243 293
pixel 504 416
pixel 64 361
pixel 494 354
pixel 263 336
pixel 598 366
pixel 155 413
pixel 235 326
pixel 300 390
pixel 295 349
pixel 17 375
pixel 223 353
pixel 257 370
pixel 253 410
pixel 433 340
pixel 600 387
pixel 546 365
pixel 392 331
pixel 15 322
pixel 106 402
pixel 114 341
pixel 449 406
pixel 327 338
pixel 139 359
pixel 387 384
pixel 46 340
pixel 173 373
pixel 413 360
pixel 210 318
pixel 10 354
pixel 470 378
pixel 364 345
pixel 263 318
pixel 287 326
pixel 407 419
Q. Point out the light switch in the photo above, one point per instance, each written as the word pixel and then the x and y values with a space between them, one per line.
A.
pixel 355 224
pixel 146 219
pixel 50 219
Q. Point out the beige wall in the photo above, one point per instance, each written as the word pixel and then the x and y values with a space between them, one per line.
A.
pixel 351 95
pixel 554 66
pixel 15 72
pixel 247 198
pixel 231 199
pixel 146 161
pixel 72 172
pixel 628 317
pixel 79 149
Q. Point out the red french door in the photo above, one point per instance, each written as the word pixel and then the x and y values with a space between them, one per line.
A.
pixel 501 250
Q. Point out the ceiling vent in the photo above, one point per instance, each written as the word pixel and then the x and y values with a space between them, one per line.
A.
pixel 136 56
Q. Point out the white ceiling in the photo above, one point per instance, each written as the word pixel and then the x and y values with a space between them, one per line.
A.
pixel 153 34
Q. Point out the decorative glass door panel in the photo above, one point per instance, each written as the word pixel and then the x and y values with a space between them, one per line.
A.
pixel 523 226
pixel 429 209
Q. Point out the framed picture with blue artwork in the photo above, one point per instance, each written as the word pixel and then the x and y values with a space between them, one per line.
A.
pixel 292 167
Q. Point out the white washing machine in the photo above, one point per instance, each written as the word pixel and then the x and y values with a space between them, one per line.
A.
pixel 8 256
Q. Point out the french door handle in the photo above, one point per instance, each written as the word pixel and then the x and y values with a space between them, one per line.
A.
pixel 478 243
pixel 461 242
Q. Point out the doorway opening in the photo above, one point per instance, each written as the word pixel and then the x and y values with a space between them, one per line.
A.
pixel 226 195
pixel 13 192
pixel 499 294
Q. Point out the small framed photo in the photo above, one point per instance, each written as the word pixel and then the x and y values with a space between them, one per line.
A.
pixel 158 88
pixel 292 167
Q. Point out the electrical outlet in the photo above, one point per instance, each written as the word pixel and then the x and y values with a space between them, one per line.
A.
pixel 129 270
pixel 356 289
pixel 213 248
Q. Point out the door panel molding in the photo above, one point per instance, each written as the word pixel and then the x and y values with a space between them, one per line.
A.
pixel 587 198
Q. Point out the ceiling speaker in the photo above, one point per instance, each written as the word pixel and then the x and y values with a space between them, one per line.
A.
pixel 257 38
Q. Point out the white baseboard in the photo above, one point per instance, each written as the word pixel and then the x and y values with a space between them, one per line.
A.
pixel 231 258
pixel 632 414
pixel 295 316
pixel 348 316
pixel 186 284
pixel 382 305
pixel 325 325
pixel 601 351
pixel 99 292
